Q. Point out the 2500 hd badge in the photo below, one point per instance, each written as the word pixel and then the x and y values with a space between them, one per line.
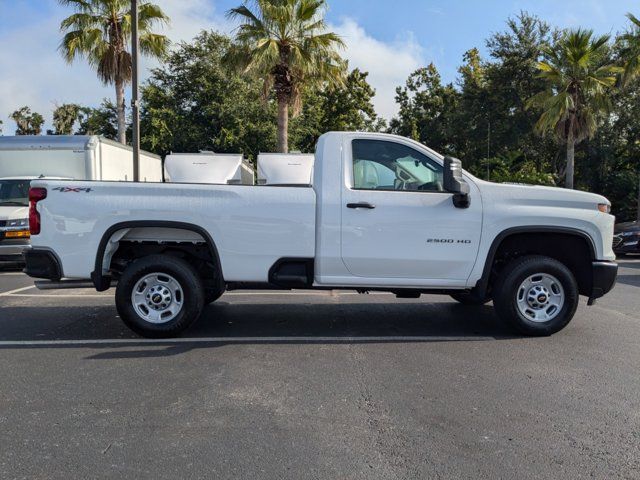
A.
pixel 447 240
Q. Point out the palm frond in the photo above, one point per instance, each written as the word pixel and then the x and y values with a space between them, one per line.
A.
pixel 100 32
pixel 579 77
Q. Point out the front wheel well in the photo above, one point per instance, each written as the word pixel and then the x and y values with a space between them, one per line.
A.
pixel 572 250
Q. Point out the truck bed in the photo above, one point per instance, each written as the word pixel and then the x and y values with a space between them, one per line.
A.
pixel 253 226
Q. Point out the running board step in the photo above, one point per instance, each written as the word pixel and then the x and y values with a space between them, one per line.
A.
pixel 62 284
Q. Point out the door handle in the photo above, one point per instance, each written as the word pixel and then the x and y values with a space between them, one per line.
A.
pixel 361 205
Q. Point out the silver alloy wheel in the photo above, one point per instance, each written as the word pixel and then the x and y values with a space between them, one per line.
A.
pixel 540 297
pixel 157 298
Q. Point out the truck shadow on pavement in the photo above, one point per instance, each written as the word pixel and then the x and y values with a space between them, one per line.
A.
pixel 222 323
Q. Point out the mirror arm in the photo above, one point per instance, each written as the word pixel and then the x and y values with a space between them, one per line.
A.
pixel 461 200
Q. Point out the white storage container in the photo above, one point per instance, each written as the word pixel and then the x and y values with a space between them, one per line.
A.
pixel 285 168
pixel 208 167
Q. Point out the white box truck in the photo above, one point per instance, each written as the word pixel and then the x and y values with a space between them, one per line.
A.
pixel 285 168
pixel 209 167
pixel 72 157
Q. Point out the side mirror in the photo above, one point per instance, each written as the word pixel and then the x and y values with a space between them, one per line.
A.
pixel 454 183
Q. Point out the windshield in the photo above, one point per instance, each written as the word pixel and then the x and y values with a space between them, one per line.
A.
pixel 14 193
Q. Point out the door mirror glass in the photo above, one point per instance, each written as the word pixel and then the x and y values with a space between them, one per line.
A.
pixel 454 182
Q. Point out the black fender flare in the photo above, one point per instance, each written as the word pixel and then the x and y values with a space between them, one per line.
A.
pixel 103 282
pixel 483 284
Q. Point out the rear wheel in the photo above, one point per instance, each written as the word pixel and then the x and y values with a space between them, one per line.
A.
pixel 536 295
pixel 159 296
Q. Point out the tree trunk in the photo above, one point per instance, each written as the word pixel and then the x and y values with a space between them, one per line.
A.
pixel 122 124
pixel 283 125
pixel 570 162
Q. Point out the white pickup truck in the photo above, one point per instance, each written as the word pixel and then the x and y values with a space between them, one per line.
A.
pixel 383 213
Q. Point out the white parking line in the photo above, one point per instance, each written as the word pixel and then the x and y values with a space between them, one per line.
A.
pixel 11 292
pixel 49 295
pixel 170 341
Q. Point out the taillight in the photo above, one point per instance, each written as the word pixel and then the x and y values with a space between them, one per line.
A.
pixel 35 195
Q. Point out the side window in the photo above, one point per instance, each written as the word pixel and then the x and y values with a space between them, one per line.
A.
pixel 385 165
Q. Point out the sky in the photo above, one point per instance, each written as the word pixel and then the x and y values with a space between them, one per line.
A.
pixel 387 38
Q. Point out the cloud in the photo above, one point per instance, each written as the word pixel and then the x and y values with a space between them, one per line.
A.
pixel 388 63
pixel 190 17
pixel 35 74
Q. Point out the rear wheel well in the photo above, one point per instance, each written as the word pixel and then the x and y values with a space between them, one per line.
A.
pixel 121 246
pixel 572 250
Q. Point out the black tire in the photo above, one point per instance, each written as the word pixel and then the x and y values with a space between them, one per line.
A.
pixel 192 301
pixel 470 298
pixel 505 294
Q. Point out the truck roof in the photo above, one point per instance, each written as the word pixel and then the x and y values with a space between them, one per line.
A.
pixel 59 142
pixel 33 177
pixel 46 142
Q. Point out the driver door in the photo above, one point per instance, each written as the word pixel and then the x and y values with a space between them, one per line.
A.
pixel 398 222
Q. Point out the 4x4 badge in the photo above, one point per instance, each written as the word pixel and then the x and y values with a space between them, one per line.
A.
pixel 73 189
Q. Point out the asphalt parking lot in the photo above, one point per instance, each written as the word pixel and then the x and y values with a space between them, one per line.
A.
pixel 317 385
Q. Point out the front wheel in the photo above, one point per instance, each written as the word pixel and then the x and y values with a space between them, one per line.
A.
pixel 159 296
pixel 536 295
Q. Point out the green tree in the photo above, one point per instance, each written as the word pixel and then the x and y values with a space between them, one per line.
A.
pixel 65 117
pixel 629 43
pixel 484 113
pixel 579 76
pixel 100 31
pixel 630 50
pixel 27 122
pixel 427 109
pixel 511 77
pixel 286 44
pixel 99 121
pixel 346 107
pixel 195 101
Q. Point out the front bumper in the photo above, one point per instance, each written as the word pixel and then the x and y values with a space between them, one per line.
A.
pixel 604 275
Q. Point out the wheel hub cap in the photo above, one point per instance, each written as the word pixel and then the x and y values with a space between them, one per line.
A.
pixel 540 297
pixel 157 298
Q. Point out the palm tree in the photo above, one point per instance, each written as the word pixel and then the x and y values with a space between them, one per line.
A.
pixel 630 50
pixel 286 43
pixel 100 31
pixel 630 55
pixel 28 122
pixel 579 76
pixel 64 118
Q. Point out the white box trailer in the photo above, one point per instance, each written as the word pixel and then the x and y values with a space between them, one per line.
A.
pixel 285 168
pixel 79 157
pixel 208 167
